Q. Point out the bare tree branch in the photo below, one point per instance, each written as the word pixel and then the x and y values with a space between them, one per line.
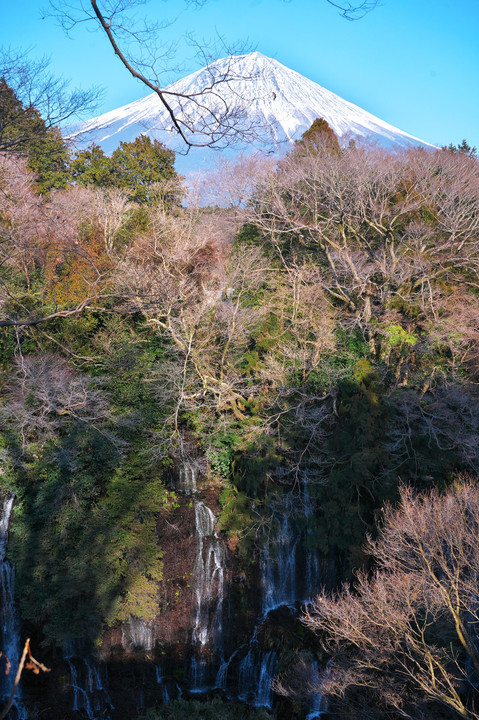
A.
pixel 32 664
pixel 38 88
pixel 354 11
pixel 201 118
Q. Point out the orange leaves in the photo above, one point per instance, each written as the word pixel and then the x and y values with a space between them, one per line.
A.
pixel 78 269
pixel 8 664
pixel 31 664
pixel 55 245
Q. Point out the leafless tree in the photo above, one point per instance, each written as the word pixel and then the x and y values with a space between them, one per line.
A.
pixel 44 395
pixel 202 117
pixel 199 291
pixel 447 420
pixel 353 11
pixel 389 229
pixel 405 635
pixel 46 234
pixel 232 182
pixel 37 88
pixel 177 277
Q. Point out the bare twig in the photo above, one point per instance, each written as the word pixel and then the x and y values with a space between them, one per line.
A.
pixel 31 664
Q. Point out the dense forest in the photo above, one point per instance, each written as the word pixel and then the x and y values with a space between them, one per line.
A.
pixel 301 353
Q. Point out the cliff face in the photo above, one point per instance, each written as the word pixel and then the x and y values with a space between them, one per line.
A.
pixel 315 362
pixel 224 625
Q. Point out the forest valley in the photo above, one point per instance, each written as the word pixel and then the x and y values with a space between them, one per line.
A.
pixel 284 376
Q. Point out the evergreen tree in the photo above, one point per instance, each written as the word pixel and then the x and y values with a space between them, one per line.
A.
pixel 23 131
pixel 463 148
pixel 92 167
pixel 136 166
pixel 319 136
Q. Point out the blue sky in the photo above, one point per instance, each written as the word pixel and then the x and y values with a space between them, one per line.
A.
pixel 413 63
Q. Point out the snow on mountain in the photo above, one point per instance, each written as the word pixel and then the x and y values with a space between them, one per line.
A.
pixel 271 104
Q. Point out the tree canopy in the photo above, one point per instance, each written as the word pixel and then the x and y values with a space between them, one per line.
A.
pixel 24 132
pixel 404 637
pixel 138 167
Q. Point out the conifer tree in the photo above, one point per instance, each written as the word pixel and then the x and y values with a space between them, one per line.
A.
pixel 136 166
pixel 23 131
pixel 463 148
pixel 139 164
pixel 92 167
pixel 319 136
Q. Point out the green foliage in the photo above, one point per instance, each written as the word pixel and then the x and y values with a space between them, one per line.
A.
pixel 92 167
pixel 253 465
pixel 59 537
pixel 139 167
pixel 132 504
pixel 248 235
pixel 238 513
pixel 219 459
pixel 249 378
pixel 48 159
pixel 356 485
pixel 317 137
pixel 397 336
pixel 84 538
pixel 23 131
pixel 463 148
pixel 139 164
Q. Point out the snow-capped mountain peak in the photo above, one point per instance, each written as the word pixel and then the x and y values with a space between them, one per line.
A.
pixel 267 102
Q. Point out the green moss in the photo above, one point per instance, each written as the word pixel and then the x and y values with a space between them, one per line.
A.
pixel 397 336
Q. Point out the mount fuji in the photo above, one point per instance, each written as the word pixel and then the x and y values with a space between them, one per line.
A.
pixel 274 103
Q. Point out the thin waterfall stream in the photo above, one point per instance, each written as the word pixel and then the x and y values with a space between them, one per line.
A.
pixel 89 687
pixel 291 574
pixel 220 658
pixel 9 620
pixel 208 576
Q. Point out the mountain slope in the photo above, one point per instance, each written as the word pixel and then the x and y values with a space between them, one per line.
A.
pixel 272 104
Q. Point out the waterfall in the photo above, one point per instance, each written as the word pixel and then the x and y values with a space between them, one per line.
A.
pixel 198 671
pixel 255 677
pixel 291 571
pixel 222 674
pixel 279 567
pixel 161 680
pixel 140 706
pixel 90 695
pixel 315 713
pixel 10 624
pixel 4 524
pixel 314 573
pixel 264 692
pixel 252 676
pixel 137 635
pixel 316 703
pixel 208 577
pixel 186 480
